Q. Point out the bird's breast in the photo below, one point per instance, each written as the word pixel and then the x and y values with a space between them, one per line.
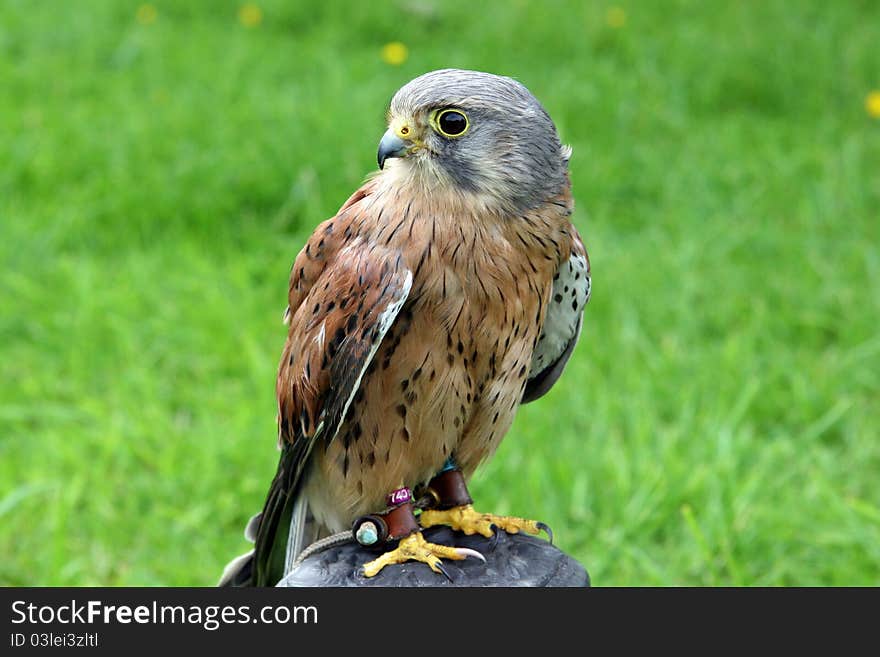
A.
pixel 448 377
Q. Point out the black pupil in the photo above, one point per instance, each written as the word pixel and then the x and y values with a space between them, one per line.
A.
pixel 452 123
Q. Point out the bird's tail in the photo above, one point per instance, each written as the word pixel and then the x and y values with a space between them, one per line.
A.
pixel 239 571
pixel 279 532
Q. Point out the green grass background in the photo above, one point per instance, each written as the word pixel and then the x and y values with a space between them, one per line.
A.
pixel 718 423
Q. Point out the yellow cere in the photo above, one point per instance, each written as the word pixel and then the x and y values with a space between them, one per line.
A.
pixel 146 14
pixel 250 15
pixel 404 130
pixel 872 104
pixel 615 17
pixel 395 53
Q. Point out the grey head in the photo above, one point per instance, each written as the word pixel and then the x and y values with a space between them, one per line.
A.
pixel 479 133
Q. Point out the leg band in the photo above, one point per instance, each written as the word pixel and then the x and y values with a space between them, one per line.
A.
pixel 449 490
pixel 391 525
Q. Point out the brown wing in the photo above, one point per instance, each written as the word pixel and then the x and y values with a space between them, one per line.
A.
pixel 333 335
pixel 344 295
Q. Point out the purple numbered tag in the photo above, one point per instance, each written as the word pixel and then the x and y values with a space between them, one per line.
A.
pixel 399 496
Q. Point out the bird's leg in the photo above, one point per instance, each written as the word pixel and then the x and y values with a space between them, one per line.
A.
pixel 453 507
pixel 398 523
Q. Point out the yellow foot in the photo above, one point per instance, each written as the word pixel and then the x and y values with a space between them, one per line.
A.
pixel 415 548
pixel 465 519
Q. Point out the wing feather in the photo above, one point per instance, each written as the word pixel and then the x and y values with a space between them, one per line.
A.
pixel 562 322
pixel 345 294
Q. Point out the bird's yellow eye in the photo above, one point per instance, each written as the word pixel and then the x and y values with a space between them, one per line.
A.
pixel 450 122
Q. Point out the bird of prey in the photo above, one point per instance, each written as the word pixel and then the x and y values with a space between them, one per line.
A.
pixel 448 290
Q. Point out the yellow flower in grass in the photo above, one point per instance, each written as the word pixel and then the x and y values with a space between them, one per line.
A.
pixel 146 14
pixel 394 53
pixel 250 15
pixel 615 17
pixel 872 104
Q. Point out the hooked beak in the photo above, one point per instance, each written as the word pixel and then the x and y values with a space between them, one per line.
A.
pixel 391 146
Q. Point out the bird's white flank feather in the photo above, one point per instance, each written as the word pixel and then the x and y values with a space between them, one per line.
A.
pixel 571 291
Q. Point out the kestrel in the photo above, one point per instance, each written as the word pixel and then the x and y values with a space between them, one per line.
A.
pixel 448 290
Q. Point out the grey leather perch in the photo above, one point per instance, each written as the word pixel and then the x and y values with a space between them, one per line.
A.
pixel 511 560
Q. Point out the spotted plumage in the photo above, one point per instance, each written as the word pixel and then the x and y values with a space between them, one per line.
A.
pixel 446 291
pixel 562 324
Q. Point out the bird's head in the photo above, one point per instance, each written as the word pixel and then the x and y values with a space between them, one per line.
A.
pixel 476 134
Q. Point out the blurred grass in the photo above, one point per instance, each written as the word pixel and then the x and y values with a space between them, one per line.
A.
pixel 160 170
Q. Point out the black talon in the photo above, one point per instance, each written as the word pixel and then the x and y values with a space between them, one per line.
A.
pixel 496 537
pixel 443 570
pixel 544 527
